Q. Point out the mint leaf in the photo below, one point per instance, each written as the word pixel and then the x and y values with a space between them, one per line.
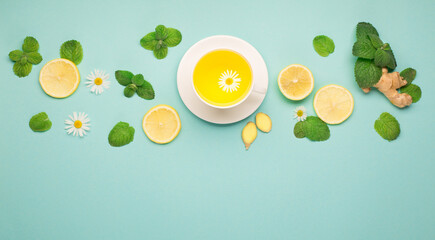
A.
pixel 121 134
pixel 323 45
pixel 23 60
pixel 299 130
pixel 130 90
pixel 149 42
pixel 413 90
pixel 367 73
pixel 382 58
pixel 123 77
pixel 16 55
pixel 34 57
pixel 72 50
pixel 375 40
pixel 409 75
pixel 22 70
pixel 392 64
pixel 315 129
pixel 363 29
pixel 161 52
pixel 40 122
pixel 30 44
pixel 138 80
pixel 174 37
pixel 387 126
pixel 161 32
pixel 364 49
pixel 146 91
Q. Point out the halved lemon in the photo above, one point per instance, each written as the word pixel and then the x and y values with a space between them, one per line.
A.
pixel 333 104
pixel 161 124
pixel 59 78
pixel 296 82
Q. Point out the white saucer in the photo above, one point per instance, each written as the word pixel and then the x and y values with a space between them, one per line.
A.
pixel 202 110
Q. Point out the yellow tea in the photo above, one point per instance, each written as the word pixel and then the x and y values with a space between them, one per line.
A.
pixel 222 78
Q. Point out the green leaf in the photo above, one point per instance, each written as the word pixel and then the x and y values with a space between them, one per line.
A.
pixel 72 50
pixel 146 91
pixel 386 46
pixel 323 45
pixel 299 130
pixel 315 129
pixel 123 77
pixel 409 75
pixel 161 32
pixel 138 80
pixel 382 58
pixel 367 73
pixel 22 70
pixel 174 37
pixel 392 64
pixel 161 52
pixel 363 29
pixel 40 122
pixel 413 90
pixel 375 40
pixel 129 91
pixel 23 60
pixel 121 134
pixel 30 44
pixel 34 57
pixel 149 42
pixel 363 49
pixel 387 126
pixel 16 55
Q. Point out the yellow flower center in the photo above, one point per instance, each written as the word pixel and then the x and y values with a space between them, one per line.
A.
pixel 78 124
pixel 229 81
pixel 300 113
pixel 98 81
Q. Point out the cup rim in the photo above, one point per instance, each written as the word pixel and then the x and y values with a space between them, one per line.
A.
pixel 237 103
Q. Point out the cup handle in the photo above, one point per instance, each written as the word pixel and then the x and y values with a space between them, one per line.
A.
pixel 259 90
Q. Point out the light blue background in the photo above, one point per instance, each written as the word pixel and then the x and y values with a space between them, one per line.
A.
pixel 204 185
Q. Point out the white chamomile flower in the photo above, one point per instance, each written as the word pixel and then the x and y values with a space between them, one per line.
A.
pixel 78 125
pixel 300 113
pixel 229 81
pixel 97 81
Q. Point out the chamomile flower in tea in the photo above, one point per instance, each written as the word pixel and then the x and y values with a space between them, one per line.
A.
pixel 229 81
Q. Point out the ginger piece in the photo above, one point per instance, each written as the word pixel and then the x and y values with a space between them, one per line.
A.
pixel 263 122
pixel 249 133
pixel 388 85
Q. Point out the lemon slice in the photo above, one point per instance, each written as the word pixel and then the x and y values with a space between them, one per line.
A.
pixel 59 78
pixel 296 82
pixel 333 104
pixel 161 124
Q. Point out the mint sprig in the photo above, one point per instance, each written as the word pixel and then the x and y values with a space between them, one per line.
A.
pixel 323 45
pixel 159 40
pixel 121 134
pixel 25 58
pixel 72 50
pixel 135 84
pixel 387 126
pixel 370 46
pixel 312 128
pixel 40 122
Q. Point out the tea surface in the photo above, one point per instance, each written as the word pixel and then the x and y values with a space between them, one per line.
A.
pixel 222 78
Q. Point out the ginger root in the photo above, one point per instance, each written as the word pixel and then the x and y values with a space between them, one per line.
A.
pixel 263 122
pixel 388 85
pixel 249 133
